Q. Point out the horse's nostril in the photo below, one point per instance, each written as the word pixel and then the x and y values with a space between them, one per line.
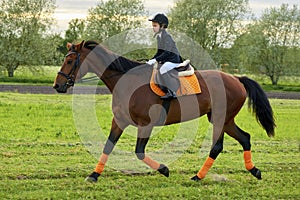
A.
pixel 56 86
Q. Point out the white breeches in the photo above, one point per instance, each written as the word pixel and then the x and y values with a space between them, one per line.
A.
pixel 167 66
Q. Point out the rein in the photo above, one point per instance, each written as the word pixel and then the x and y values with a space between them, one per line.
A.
pixel 71 76
pixel 89 79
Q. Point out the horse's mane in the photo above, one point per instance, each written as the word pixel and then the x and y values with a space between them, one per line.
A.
pixel 118 63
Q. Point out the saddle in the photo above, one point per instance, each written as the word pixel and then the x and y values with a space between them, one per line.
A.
pixel 185 69
pixel 185 74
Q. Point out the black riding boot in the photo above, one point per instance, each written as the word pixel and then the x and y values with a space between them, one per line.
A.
pixel 169 83
pixel 169 95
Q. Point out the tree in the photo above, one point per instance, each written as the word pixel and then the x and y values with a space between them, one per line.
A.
pixel 74 33
pixel 272 42
pixel 23 26
pixel 75 30
pixel 111 17
pixel 213 24
pixel 52 53
pixel 281 28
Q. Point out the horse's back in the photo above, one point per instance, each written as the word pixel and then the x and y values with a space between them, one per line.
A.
pixel 227 93
pixel 216 80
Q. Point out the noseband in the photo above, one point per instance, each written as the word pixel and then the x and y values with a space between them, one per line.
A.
pixel 70 76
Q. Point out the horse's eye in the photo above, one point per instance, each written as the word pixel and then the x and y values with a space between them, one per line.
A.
pixel 69 62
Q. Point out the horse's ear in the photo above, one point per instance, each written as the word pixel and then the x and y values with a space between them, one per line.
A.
pixel 69 45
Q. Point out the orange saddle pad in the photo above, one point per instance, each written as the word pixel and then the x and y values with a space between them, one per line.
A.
pixel 188 85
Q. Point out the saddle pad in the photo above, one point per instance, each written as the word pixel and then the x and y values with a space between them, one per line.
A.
pixel 188 85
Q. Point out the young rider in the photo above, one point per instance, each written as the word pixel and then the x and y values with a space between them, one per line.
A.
pixel 167 54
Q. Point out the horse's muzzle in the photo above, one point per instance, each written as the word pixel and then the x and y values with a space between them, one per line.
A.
pixel 60 88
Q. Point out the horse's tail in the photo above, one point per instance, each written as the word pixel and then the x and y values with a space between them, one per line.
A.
pixel 260 104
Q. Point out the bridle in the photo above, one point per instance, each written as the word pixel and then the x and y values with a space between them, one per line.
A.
pixel 71 76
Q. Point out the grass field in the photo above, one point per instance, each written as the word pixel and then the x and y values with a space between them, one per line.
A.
pixel 40 75
pixel 43 157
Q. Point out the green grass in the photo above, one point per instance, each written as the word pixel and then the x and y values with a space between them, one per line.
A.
pixel 281 87
pixel 38 75
pixel 285 83
pixel 43 157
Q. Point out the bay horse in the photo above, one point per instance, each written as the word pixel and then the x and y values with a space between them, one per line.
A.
pixel 221 99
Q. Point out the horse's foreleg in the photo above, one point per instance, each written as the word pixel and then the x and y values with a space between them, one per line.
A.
pixel 214 152
pixel 244 139
pixel 142 140
pixel 113 138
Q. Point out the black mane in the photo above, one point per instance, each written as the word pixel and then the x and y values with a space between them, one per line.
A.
pixel 90 44
pixel 118 63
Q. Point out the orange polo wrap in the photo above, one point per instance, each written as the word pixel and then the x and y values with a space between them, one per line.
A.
pixel 151 163
pixel 100 166
pixel 206 166
pixel 248 160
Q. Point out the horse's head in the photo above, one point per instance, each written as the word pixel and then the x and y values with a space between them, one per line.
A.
pixel 69 71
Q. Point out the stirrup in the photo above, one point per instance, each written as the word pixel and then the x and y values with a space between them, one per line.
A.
pixel 169 95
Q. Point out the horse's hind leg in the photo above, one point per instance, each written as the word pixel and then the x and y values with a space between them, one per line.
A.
pixel 142 140
pixel 244 139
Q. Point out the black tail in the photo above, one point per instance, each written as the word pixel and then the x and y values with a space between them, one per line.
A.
pixel 260 104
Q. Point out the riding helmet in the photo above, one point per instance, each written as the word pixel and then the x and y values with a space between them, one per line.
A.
pixel 161 19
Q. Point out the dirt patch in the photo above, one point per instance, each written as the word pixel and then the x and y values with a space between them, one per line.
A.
pixel 30 89
pixel 283 95
pixel 33 89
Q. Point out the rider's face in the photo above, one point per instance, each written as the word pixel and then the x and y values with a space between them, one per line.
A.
pixel 155 27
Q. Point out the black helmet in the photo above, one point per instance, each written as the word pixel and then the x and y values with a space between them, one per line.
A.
pixel 161 19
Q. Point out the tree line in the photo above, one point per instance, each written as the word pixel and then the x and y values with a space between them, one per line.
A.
pixel 226 29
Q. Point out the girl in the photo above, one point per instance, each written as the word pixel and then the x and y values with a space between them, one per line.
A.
pixel 167 54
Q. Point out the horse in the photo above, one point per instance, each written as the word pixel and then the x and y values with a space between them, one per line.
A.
pixel 221 99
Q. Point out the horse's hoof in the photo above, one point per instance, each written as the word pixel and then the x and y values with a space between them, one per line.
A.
pixel 163 170
pixel 90 179
pixel 256 172
pixel 196 178
pixel 93 178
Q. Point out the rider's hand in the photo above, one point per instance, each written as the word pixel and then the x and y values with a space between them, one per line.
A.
pixel 151 62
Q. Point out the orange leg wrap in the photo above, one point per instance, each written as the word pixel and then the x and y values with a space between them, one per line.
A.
pixel 100 166
pixel 248 160
pixel 206 166
pixel 151 163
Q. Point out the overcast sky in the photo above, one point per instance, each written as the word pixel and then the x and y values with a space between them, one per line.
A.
pixel 71 9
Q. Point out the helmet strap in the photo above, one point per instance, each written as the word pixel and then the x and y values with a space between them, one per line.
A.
pixel 160 30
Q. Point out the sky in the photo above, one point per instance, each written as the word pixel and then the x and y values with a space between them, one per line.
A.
pixel 71 9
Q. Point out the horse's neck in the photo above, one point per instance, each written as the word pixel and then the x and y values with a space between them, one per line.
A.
pixel 106 67
pixel 110 67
